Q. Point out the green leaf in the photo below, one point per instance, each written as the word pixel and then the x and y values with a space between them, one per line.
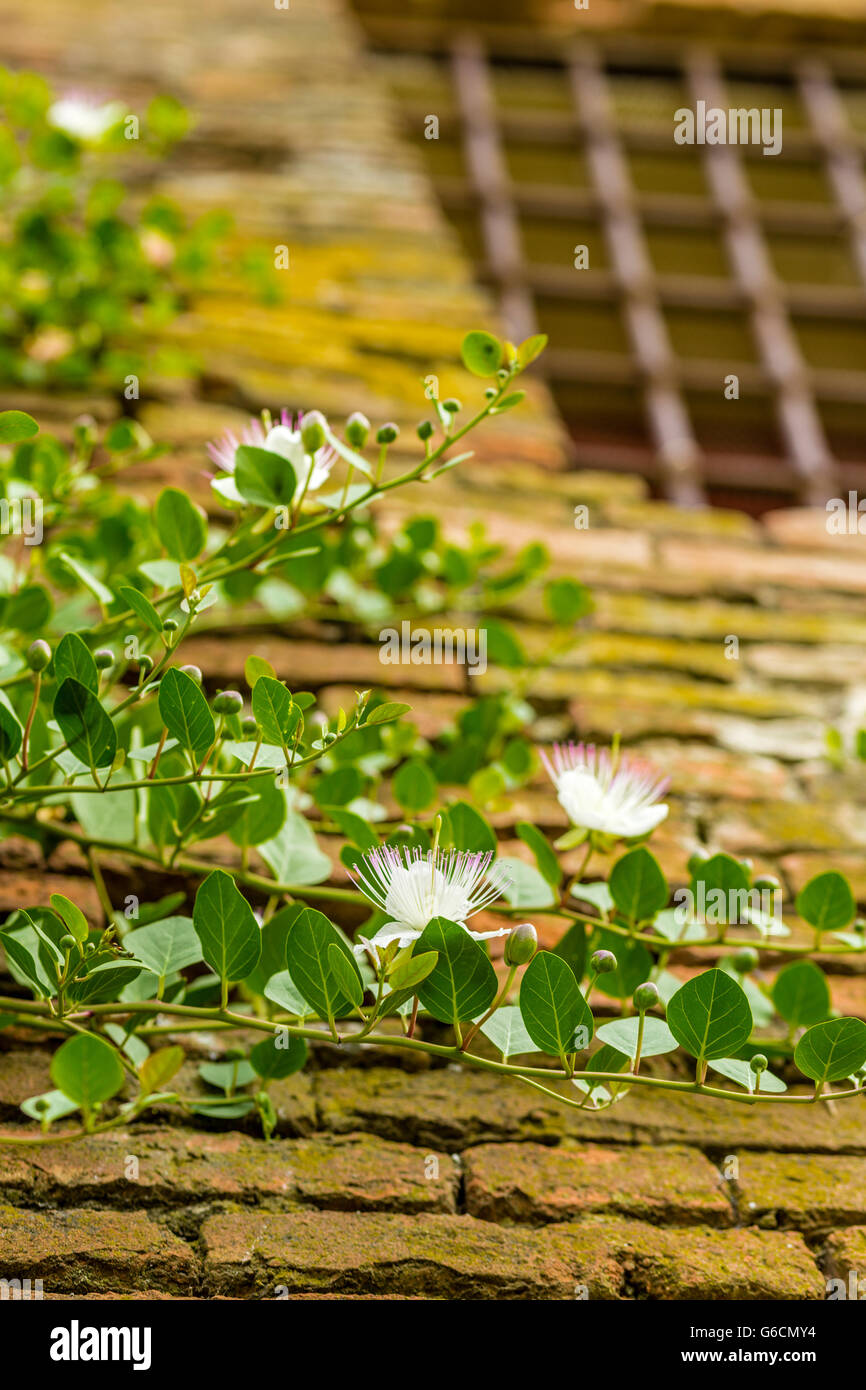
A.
pixel 826 902
pixel 567 600
pixel 800 994
pixel 275 934
pixel 15 425
pixel 833 1050
pixel 622 1034
pixel 710 1016
pixel 263 817
pixel 278 1057
pixel 185 712
pixel 275 712
pixel 263 478
pixel 71 916
pixel 74 658
pixel 345 971
pixel 462 984
pixel 142 606
pixel 548 864
pixel 58 1106
pixel 87 1070
pixel 166 946
pixel 281 989
pixel 256 667
pixel 638 886
pixel 385 713
pixel 104 983
pixel 523 885
pixel 531 348
pixel 293 855
pixel 735 1069
pixel 633 964
pixel 84 724
pixel 555 1012
pixel 11 729
pixel 464 828
pixel 230 937
pixel 355 828
pixel 414 786
pixel 18 956
pixel 103 595
pixel 410 972
pixel 571 947
pixel 158 1069
pixel 311 965
pixel 722 883
pixel 180 524
pixel 481 353
pixel 507 1031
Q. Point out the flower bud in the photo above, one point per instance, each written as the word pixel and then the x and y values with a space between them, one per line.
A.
pixel 357 429
pixel 313 428
pixel 103 658
pixel 192 671
pixel 491 392
pixel 228 702
pixel 758 1063
pixel 746 960
pixel 170 625
pixel 603 962
pixel 646 996
pixel 425 429
pixel 387 434
pixel 67 941
pixel 38 655
pixel 248 724
pixel 452 405
pixel 521 944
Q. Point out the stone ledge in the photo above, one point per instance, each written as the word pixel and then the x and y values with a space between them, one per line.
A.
pixel 810 1192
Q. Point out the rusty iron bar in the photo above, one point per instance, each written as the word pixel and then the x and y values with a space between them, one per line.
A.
pixel 675 442
pixel 799 419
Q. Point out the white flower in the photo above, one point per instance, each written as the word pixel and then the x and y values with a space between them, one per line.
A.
pixel 83 118
pixel 413 888
pixel 310 470
pixel 617 797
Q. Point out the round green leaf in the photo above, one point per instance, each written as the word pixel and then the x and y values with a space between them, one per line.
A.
pixel 830 1051
pixel 414 786
pixel 800 994
pixel 735 1069
pixel 15 425
pixel 710 1016
pixel 622 1034
pixel 280 1056
pixel 638 886
pixel 263 478
pixel 481 353
pixel 87 1070
pixel 826 902
pixel 553 1009
pixel 311 965
pixel 230 936
pixel 180 524
pixel 462 983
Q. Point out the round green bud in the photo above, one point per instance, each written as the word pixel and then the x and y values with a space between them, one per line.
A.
pixel 170 625
pixel 234 1054
pixel 758 1063
pixel 521 944
pixel 248 724
pixel 860 925
pixel 40 1104
pixel 452 405
pixel 38 655
pixel 646 996
pixel 90 947
pixel 425 429
pixel 387 433
pixel 603 962
pixel 766 881
pixel 67 941
pixel 228 702
pixel 745 960
pixel 491 392
pixel 192 671
pixel 103 658
pixel 357 429
pixel 697 860
pixel 313 428
pixel 145 664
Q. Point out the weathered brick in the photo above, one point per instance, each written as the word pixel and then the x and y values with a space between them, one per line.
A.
pixel 22 1074
pixel 88 1251
pixel 528 1182
pixel 844 1254
pixel 811 1192
pixel 341 1252
pixel 691 1263
pixel 173 1167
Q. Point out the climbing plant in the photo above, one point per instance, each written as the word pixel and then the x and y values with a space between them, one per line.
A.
pixel 111 740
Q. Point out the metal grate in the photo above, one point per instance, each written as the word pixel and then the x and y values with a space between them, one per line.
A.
pixel 705 262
